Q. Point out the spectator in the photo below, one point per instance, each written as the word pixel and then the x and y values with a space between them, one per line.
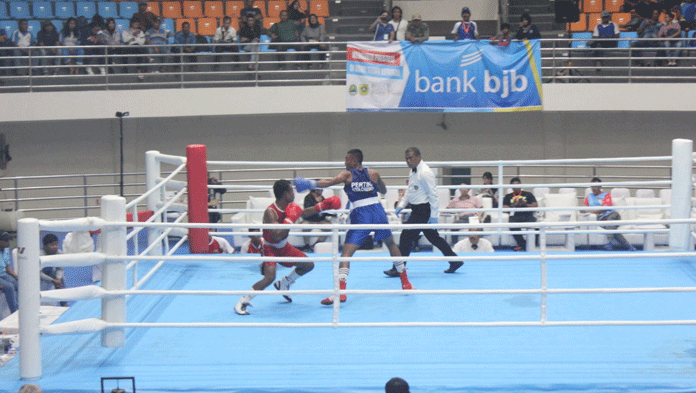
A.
pixel 520 199
pixel 5 43
pixel 112 39
pixel 30 388
pixel 399 33
pixel 92 42
pixel 297 15
pixel 629 5
pixel 224 37
pixel 250 33
pixel 70 36
pixel 599 198
pixel 465 201
pixel 53 275
pixel 184 39
pixel 645 9
pixel 48 38
pixel 219 245
pixel 145 17
pixel 8 277
pixel 134 39
pixel 396 385
pixel 254 245
pixel 214 198
pixel 284 31
pixel 383 30
pixel 527 30
pixel 465 29
pixel 473 243
pixel 417 31
pixel 604 34
pixel 250 10
pixel 313 34
pixel 315 196
pixel 634 23
pixel 504 38
pixel 23 40
pixel 685 25
pixel 671 29
pixel 649 28
pixel 159 36
pixel 689 10
pixel 492 193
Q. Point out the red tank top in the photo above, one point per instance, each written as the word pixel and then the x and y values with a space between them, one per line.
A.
pixel 281 217
pixel 214 247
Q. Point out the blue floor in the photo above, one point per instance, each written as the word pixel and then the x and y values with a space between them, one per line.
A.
pixel 356 360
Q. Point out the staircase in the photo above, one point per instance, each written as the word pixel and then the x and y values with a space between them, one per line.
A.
pixel 350 19
pixel 542 13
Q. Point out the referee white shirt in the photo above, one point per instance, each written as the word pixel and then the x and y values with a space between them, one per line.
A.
pixel 421 189
pixel 465 245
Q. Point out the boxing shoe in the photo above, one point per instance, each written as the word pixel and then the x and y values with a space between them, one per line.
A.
pixel 392 272
pixel 454 266
pixel 330 300
pixel 405 284
pixel 241 306
pixel 283 285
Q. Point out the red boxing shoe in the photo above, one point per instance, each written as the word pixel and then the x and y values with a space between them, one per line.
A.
pixel 330 300
pixel 405 284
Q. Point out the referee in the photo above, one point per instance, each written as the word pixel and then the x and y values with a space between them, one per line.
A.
pixel 422 196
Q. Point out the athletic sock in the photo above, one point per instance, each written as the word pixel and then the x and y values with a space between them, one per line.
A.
pixel 343 273
pixel 292 276
pixel 399 266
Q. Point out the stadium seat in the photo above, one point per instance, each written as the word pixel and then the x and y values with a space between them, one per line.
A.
pixel 213 9
pixel 65 9
pixel 86 9
pixel 181 21
pixel 9 26
pixel 262 6
pixel 106 9
pixel 626 34
pixel 321 7
pixel 590 6
pixel 621 18
pixel 3 11
pixel 193 9
pixel 265 39
pixel 42 10
pixel 232 8
pixel 274 8
pixel 58 23
pixel 613 5
pixel 167 24
pixel 126 9
pixel 582 35
pixel 122 24
pixel 207 26
pixel 171 9
pixel 580 25
pixel 154 7
pixel 19 9
pixel 268 22
pixel 593 20
pixel 34 26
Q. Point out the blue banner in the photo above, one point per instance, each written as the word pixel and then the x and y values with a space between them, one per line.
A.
pixel 444 76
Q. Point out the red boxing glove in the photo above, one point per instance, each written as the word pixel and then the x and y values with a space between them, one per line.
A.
pixel 332 203
pixel 292 212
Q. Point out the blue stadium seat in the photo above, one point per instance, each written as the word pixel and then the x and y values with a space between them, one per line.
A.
pixel 9 26
pixel 65 9
pixel 626 34
pixel 126 9
pixel 42 10
pixel 168 24
pixel 122 24
pixel 86 9
pixel 58 23
pixel 19 9
pixel 34 27
pixel 3 10
pixel 581 44
pixel 265 39
pixel 107 9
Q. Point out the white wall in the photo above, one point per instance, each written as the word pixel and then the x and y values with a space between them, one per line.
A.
pixel 432 10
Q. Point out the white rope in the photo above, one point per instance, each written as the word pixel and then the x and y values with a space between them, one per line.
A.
pixel 160 263
pixel 75 224
pixel 156 187
pixel 72 260
pixel 87 292
pixel 83 326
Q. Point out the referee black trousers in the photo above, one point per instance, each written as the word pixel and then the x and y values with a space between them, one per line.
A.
pixel 420 215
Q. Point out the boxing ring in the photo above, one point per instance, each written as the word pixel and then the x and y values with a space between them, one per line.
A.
pixel 543 320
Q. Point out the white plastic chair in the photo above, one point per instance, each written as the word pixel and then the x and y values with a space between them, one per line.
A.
pixel 645 193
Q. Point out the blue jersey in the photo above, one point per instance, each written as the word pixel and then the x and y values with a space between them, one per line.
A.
pixel 360 187
pixel 366 208
pixel 466 31
pixel 382 32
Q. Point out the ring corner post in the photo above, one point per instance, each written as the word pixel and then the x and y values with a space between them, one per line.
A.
pixel 680 207
pixel 28 267
pixel 152 176
pixel 197 184
pixel 113 209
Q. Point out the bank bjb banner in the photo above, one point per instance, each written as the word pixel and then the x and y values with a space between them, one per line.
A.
pixel 443 76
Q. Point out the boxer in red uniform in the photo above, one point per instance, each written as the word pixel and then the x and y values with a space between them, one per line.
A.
pixel 283 211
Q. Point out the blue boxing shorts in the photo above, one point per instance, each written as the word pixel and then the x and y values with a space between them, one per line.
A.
pixel 370 214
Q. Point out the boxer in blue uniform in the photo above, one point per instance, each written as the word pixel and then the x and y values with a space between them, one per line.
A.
pixel 361 186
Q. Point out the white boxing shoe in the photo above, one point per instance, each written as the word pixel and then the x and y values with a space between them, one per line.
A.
pixel 241 307
pixel 283 285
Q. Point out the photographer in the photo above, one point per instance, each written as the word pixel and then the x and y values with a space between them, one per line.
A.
pixel 382 28
pixel 214 200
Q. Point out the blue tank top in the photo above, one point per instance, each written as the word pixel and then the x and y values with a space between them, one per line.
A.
pixel 361 187
pixel 606 31
pixel 468 32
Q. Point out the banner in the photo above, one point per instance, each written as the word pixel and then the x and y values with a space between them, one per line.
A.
pixel 443 76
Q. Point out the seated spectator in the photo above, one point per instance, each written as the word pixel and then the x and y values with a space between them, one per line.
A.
pixel 527 30
pixel 600 198
pixel 254 245
pixel 491 193
pixel 383 30
pixel 112 39
pixel 634 23
pixel 465 201
pixel 313 34
pixel 160 37
pixel 4 52
pixel 8 277
pixel 396 385
pixel 399 33
pixel 250 33
pixel 226 35
pixel 48 39
pixel 23 40
pixel 284 31
pixel 314 197
pixel 92 44
pixel 671 29
pixel 649 28
pixel 250 10
pixel 214 197
pixel 417 32
pixel 145 17
pixel 70 36
pixel 473 243
pixel 134 39
pixel 219 245
pixel 297 15
pixel 520 199
pixel 604 34
pixel 53 275
pixel 184 39
pixel 465 29
pixel 504 38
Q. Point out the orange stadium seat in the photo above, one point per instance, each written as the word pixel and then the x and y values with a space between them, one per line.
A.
pixel 621 18
pixel 274 8
pixel 262 6
pixel 154 7
pixel 213 9
pixel 193 9
pixel 594 20
pixel 613 5
pixel 319 7
pixel 590 6
pixel 207 26
pixel 232 8
pixel 192 22
pixel 171 9
pixel 580 25
pixel 268 22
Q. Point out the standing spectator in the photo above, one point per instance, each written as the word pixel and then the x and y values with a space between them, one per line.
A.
pixel 159 36
pixel 48 39
pixel 671 29
pixel 504 38
pixel 679 17
pixel 219 245
pixel 23 40
pixel 313 34
pixel 520 199
pixel 284 31
pixel 465 201
pixel 383 30
pixel 224 37
pixel 527 30
pixel 5 43
pixel 70 36
pixel 297 15
pixel 600 198
pixel 53 275
pixel 649 28
pixel 465 29
pixel 250 33
pixel 689 10
pixel 396 385
pixel 8 277
pixel 214 199
pixel 134 38
pixel 473 243
pixel 399 24
pixel 417 31
pixel 633 23
pixel 315 196
pixel 145 17
pixel 94 40
pixel 250 10
pixel 605 35
pixel 184 39
pixel 112 38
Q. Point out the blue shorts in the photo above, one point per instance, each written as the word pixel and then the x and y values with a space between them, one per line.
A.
pixel 370 214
